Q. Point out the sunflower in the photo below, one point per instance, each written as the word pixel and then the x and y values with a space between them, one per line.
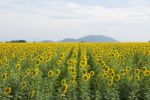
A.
pixel 137 71
pixel 123 72
pixel 73 70
pixel 5 76
pixel 74 74
pixel 83 63
pixel 6 65
pixel 65 86
pixel 58 62
pixel 50 73
pixel 112 74
pixel 7 90
pixel 85 77
pixel 137 77
pixel 27 71
pixel 41 58
pixel 62 55
pixel 75 83
pixel 143 69
pixel 106 69
pixel 128 69
pixel 24 84
pixel 18 66
pixel 88 66
pixel 130 77
pixel 74 77
pixel 110 82
pixel 63 81
pixel 37 70
pixel 105 75
pixel 92 73
pixel 33 72
pixel 117 77
pixel 57 72
pixel 33 92
pixel 146 73
pixel 69 62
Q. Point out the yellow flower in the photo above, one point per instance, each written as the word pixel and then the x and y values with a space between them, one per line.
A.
pixel 88 66
pixel 106 69
pixel 50 73
pixel 6 65
pixel 57 72
pixel 105 75
pixel 24 85
pixel 130 77
pixel 33 92
pixel 75 83
pixel 65 88
pixel 63 81
pixel 112 74
pixel 18 66
pixel 146 73
pixel 74 74
pixel 137 71
pixel 128 69
pixel 110 82
pixel 73 70
pixel 137 77
pixel 58 62
pixel 5 76
pixel 27 71
pixel 62 55
pixel 85 77
pixel 37 70
pixel 69 62
pixel 84 71
pixel 41 58
pixel 117 77
pixel 92 73
pixel 7 90
pixel 143 69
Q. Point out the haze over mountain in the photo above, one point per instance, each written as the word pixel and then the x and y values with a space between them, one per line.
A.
pixel 91 38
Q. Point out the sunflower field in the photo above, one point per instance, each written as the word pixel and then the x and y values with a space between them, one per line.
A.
pixel 74 71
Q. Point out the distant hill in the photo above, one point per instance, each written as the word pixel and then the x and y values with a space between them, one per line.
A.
pixel 69 40
pixel 45 41
pixel 16 41
pixel 91 38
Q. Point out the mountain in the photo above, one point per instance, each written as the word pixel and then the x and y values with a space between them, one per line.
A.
pixel 69 40
pixel 46 41
pixel 91 38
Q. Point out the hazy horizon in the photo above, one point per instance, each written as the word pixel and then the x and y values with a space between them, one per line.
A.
pixel 37 20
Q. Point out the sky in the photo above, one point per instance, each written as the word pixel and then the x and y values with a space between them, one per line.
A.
pixel 37 20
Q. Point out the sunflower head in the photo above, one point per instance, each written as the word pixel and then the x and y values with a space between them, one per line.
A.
pixel 92 73
pixel 85 77
pixel 63 81
pixel 110 82
pixel 137 71
pixel 18 66
pixel 57 72
pixel 143 69
pixel 137 77
pixel 146 73
pixel 7 90
pixel 50 73
pixel 65 86
pixel 117 77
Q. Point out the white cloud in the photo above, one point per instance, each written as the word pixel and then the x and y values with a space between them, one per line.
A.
pixel 53 19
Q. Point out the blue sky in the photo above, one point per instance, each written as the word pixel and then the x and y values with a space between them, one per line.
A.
pixel 124 20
